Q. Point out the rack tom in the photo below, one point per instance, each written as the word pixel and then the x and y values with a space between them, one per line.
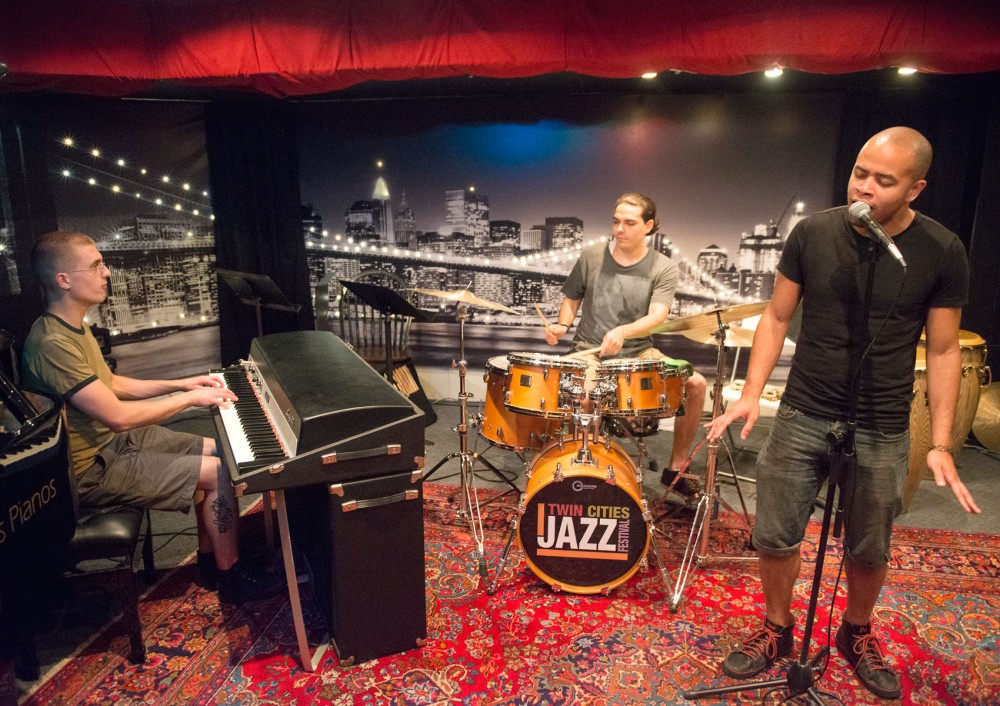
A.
pixel 504 428
pixel 536 387
pixel 644 387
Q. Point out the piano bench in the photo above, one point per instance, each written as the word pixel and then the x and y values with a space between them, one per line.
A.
pixel 109 536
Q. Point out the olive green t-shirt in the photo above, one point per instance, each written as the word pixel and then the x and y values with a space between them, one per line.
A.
pixel 60 360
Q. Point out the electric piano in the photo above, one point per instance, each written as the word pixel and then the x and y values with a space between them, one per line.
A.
pixel 310 411
pixel 343 452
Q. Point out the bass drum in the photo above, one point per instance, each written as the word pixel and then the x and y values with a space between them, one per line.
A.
pixel 582 530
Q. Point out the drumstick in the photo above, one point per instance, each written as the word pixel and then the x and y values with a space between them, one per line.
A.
pixel 585 351
pixel 545 321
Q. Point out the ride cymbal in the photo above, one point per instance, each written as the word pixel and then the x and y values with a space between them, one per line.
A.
pixel 712 318
pixel 463 296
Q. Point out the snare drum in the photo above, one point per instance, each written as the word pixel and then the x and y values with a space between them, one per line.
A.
pixel 975 375
pixel 645 387
pixel 504 428
pixel 583 529
pixel 535 383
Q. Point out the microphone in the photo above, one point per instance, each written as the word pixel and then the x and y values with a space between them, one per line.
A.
pixel 863 212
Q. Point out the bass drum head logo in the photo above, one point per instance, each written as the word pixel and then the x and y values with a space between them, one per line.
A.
pixel 582 532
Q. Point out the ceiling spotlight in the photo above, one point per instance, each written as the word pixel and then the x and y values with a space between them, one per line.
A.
pixel 774 72
pixel 906 70
pixel 649 75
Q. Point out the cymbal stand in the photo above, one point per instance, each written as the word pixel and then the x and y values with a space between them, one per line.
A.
pixel 469 504
pixel 696 551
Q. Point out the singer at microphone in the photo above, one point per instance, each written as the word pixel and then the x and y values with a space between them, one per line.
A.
pixel 860 211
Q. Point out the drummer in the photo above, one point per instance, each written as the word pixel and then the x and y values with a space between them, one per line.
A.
pixel 625 289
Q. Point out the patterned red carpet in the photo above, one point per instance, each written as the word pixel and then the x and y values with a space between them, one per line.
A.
pixel 940 616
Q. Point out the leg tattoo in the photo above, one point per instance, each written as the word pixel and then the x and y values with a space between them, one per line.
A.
pixel 224 516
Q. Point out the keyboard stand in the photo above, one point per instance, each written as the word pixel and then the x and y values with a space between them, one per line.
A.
pixel 310 660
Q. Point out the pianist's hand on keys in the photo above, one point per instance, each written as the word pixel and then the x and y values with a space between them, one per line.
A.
pixel 207 390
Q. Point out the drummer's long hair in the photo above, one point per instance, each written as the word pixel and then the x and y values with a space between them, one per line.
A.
pixel 647 205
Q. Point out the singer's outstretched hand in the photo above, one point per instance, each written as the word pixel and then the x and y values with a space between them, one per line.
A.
pixel 743 408
pixel 942 465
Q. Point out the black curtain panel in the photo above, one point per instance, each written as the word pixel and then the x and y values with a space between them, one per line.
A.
pixel 253 177
pixel 28 209
pixel 960 117
pixel 982 315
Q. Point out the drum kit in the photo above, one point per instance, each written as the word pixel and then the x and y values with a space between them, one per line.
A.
pixel 582 522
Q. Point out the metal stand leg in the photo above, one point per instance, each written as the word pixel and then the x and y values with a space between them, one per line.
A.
pixel 654 546
pixel 514 521
pixel 696 551
pixel 310 660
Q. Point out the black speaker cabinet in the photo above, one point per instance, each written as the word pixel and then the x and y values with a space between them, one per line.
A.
pixel 364 541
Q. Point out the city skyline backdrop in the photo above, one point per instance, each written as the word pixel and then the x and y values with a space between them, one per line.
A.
pixel 716 166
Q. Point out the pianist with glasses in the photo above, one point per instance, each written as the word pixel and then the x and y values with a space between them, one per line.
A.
pixel 120 455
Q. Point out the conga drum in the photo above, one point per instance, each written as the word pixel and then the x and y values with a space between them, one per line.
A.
pixel 975 376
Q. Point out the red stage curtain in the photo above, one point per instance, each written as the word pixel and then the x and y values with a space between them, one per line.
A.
pixel 301 47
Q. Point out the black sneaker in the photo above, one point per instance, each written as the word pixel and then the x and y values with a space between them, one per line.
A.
pixel 759 651
pixel 240 585
pixel 207 573
pixel 863 651
pixel 685 487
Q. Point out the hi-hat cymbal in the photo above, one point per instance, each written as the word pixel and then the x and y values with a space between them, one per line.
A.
pixel 711 318
pixel 736 337
pixel 986 425
pixel 465 297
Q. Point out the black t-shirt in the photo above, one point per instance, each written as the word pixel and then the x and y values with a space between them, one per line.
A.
pixel 830 260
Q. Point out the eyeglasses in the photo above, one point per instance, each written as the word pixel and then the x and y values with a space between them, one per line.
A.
pixel 98 267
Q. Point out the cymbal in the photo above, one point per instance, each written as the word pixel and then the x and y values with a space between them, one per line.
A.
pixel 986 425
pixel 710 319
pixel 465 297
pixel 736 337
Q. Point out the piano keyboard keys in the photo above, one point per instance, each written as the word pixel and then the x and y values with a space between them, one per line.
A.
pixel 248 429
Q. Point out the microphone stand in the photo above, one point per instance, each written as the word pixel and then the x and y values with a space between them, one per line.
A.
pixel 801 676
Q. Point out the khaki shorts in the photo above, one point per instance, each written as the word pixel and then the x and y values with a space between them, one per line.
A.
pixel 149 467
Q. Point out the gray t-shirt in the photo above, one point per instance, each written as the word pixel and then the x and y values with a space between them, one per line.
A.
pixel 614 295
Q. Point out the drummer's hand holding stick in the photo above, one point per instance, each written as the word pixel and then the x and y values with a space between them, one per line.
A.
pixel 552 331
pixel 567 313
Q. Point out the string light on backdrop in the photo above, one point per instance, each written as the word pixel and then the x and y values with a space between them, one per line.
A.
pixel 162 192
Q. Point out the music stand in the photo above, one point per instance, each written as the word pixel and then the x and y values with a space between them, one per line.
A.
pixel 387 302
pixel 257 291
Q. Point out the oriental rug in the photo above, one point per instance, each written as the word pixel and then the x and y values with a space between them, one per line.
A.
pixel 527 644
